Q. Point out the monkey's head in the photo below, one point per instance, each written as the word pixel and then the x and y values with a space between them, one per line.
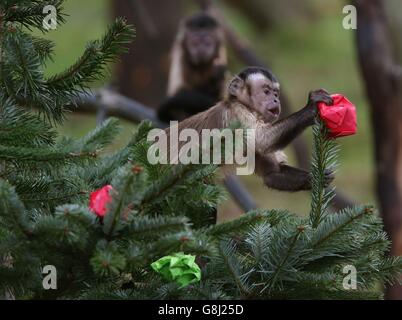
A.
pixel 257 89
pixel 201 39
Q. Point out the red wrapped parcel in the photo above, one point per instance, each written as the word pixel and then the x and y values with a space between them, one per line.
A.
pixel 339 118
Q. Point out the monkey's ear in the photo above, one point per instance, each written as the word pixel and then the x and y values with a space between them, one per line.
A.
pixel 235 86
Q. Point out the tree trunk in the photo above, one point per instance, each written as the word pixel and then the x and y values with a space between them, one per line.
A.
pixel 142 73
pixel 385 96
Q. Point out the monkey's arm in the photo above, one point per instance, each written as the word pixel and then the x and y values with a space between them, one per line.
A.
pixel 292 179
pixel 279 135
pixel 288 179
pixel 278 175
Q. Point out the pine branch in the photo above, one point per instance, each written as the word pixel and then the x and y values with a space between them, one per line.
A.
pixel 121 184
pixel 30 13
pixel 22 77
pixel 92 63
pixel 285 256
pixel 185 241
pixel 12 211
pixel 105 171
pixel 25 64
pixel 20 127
pixel 52 192
pixel 227 252
pixel 324 158
pixel 107 259
pixel 48 154
pixel 76 213
pixel 346 223
pixel 97 139
pixel 142 228
pixel 167 184
pixel 246 221
pixel 259 240
pixel 44 48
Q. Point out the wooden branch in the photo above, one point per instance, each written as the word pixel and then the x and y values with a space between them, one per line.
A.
pixel 106 102
pixel 375 55
pixel 111 104
pixel 239 193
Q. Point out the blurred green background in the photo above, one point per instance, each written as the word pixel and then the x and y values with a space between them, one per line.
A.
pixel 304 52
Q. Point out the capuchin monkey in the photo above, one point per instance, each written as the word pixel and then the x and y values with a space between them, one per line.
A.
pixel 253 100
pixel 198 69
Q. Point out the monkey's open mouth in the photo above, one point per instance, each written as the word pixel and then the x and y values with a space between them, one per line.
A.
pixel 274 111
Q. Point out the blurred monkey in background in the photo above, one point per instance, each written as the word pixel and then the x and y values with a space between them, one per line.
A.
pixel 198 68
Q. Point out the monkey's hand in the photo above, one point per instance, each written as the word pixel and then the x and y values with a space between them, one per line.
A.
pixel 316 96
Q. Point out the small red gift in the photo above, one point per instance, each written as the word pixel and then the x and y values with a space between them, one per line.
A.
pixel 339 118
pixel 99 199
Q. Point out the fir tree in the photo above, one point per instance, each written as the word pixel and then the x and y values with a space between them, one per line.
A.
pixel 154 210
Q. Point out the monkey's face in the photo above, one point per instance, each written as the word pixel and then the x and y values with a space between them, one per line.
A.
pixel 264 97
pixel 258 93
pixel 201 46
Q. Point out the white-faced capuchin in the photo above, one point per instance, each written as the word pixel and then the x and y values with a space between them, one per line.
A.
pixel 253 100
pixel 198 69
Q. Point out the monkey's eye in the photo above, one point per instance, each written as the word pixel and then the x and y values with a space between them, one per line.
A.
pixel 267 92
